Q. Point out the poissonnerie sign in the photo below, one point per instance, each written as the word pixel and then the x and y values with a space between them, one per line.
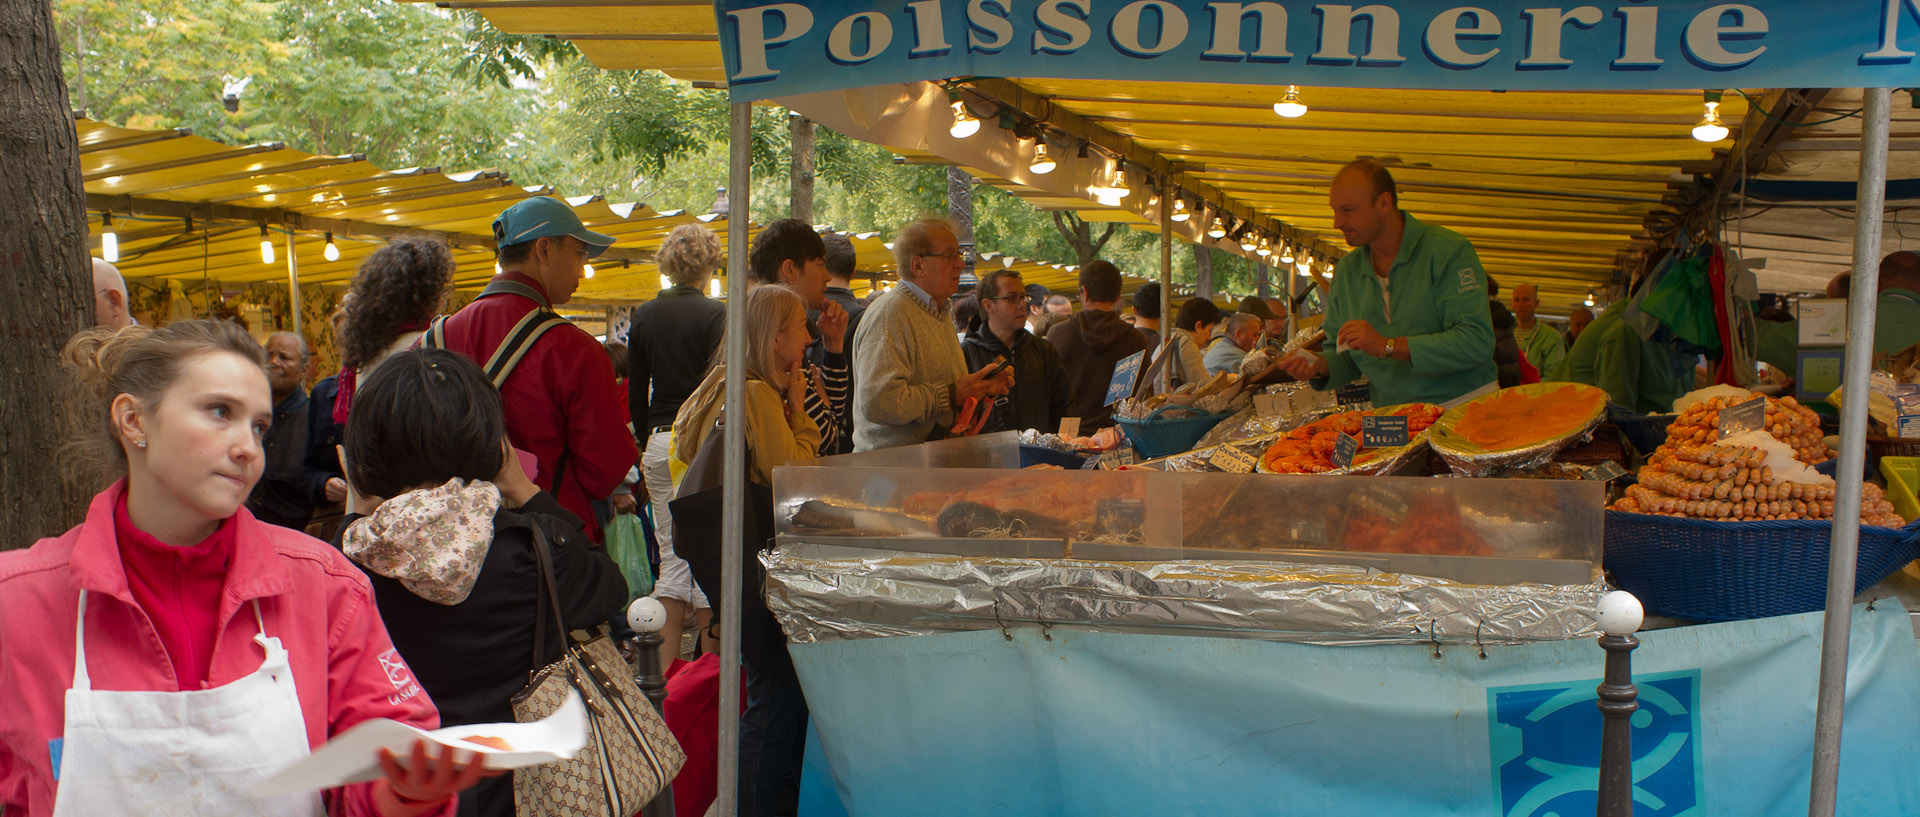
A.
pixel 774 49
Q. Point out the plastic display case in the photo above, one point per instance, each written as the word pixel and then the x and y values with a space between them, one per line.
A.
pixel 1484 531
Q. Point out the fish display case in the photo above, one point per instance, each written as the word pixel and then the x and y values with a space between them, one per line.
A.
pixel 1480 531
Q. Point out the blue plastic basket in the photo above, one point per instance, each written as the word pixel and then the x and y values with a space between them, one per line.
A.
pixel 1031 455
pixel 1701 570
pixel 1157 436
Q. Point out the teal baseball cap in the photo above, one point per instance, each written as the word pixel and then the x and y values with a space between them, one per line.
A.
pixel 545 217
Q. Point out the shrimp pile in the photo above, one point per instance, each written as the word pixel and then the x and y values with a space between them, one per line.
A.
pixel 1309 448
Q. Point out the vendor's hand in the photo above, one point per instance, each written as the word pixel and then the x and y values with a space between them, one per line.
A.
pixel 1304 365
pixel 425 784
pixel 833 327
pixel 512 480
pixel 336 489
pixel 1362 336
pixel 976 384
pixel 623 503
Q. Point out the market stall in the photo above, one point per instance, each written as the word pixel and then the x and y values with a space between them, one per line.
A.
pixel 1057 750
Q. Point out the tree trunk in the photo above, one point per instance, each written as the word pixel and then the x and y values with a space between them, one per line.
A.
pixel 1262 279
pixel 960 213
pixel 46 285
pixel 801 204
pixel 1079 236
pixel 1203 270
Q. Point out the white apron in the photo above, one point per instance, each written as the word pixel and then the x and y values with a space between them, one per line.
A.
pixel 181 753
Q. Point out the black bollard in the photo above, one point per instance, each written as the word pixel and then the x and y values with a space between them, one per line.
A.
pixel 1620 616
pixel 645 656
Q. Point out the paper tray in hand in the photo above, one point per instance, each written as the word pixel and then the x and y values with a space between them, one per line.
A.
pixel 354 756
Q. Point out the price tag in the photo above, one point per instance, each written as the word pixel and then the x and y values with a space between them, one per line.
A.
pixel 1124 373
pixel 1310 531
pixel 1069 427
pixel 1232 460
pixel 1605 472
pixel 1116 458
pixel 1344 449
pixel 1383 501
pixel 1743 417
pixel 1350 395
pixel 1384 432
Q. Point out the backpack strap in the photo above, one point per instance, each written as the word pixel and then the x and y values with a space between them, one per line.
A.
pixel 436 336
pixel 518 341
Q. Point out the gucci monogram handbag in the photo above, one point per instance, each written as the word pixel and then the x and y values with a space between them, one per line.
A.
pixel 630 755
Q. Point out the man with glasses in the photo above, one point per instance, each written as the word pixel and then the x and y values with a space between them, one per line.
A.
pixel 561 402
pixel 1041 394
pixel 910 377
pixel 289 487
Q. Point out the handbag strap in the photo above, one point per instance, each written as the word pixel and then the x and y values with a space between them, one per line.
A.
pixel 547 589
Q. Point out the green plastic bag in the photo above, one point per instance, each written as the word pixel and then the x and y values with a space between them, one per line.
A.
pixel 627 544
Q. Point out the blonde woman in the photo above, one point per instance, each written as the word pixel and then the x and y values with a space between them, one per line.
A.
pixel 778 431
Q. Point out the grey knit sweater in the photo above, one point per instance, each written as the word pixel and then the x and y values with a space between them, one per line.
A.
pixel 905 362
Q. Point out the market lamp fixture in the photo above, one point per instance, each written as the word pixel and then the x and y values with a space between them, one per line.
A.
pixel 332 251
pixel 588 272
pixel 1286 254
pixel 109 240
pixel 1246 241
pixel 964 123
pixel 1219 228
pixel 1710 128
pixel 1042 163
pixel 1589 297
pixel 1263 248
pixel 1290 105
pixel 266 246
pixel 1180 213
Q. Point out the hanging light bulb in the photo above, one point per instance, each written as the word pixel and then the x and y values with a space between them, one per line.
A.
pixel 713 288
pixel 589 271
pixel 1042 163
pixel 1153 201
pixel 1710 128
pixel 332 251
pixel 964 125
pixel 109 241
pixel 1589 297
pixel 1290 105
pixel 1305 268
pixel 1286 254
pixel 1263 249
pixel 1180 213
pixel 266 246
pixel 665 282
pixel 1219 228
pixel 1246 241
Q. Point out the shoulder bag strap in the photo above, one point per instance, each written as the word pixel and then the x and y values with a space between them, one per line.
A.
pixel 547 590
pixel 436 336
pixel 518 341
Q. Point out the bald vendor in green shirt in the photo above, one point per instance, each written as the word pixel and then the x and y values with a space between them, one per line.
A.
pixel 1409 304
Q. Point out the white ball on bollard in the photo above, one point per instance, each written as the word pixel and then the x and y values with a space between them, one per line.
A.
pixel 1620 613
pixel 646 615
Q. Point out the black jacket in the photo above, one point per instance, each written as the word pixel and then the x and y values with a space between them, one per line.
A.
pixel 473 656
pixel 1090 343
pixel 1041 394
pixel 289 488
pixel 323 434
pixel 668 350
pixel 1506 350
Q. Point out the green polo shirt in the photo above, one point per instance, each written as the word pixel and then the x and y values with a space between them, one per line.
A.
pixel 1896 320
pixel 1435 297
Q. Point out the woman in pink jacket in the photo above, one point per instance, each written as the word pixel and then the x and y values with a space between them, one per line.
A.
pixel 171 650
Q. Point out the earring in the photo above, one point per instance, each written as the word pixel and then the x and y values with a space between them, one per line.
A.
pixel 139 443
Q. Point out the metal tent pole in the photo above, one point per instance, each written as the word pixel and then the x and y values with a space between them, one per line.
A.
pixel 734 483
pixel 293 286
pixel 1853 453
pixel 1166 272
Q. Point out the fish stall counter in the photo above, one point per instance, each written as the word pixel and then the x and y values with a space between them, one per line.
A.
pixel 975 638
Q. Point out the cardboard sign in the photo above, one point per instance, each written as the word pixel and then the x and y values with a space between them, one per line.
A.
pixel 1343 451
pixel 1743 417
pixel 1124 373
pixel 1384 432
pixel 1817 373
pixel 1605 472
pixel 1350 395
pixel 1232 460
pixel 1822 321
pixel 1116 458
pixel 1069 428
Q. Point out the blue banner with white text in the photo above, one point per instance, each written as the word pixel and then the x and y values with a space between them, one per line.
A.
pixel 777 49
pixel 1073 723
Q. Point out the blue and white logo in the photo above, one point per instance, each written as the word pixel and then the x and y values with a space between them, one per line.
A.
pixel 1545 744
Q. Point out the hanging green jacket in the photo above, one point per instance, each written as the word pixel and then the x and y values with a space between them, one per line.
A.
pixel 1436 293
pixel 1544 346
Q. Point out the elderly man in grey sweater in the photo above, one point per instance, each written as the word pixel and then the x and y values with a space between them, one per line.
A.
pixel 910 378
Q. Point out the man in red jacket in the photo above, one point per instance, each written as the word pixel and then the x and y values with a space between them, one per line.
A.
pixel 561 402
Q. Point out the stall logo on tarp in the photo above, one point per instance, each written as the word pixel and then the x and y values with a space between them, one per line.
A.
pixel 1545 744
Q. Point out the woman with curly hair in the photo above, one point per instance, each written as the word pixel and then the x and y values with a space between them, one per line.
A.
pixel 394 296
